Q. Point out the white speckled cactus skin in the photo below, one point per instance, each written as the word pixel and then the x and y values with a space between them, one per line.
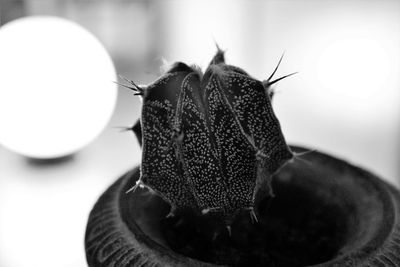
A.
pixel 211 141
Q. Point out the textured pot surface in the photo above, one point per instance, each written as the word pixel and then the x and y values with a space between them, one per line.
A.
pixel 124 229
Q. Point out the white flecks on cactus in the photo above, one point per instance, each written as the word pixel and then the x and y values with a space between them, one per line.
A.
pixel 211 142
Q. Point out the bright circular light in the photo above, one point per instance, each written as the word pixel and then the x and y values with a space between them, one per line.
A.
pixel 56 87
pixel 355 67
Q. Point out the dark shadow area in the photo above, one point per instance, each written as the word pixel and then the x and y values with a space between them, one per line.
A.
pixel 50 162
pixel 296 228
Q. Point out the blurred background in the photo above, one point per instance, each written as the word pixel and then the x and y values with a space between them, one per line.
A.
pixel 344 100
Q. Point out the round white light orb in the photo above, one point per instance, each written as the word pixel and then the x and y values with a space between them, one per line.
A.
pixel 56 87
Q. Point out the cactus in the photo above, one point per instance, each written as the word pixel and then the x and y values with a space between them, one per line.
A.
pixel 210 141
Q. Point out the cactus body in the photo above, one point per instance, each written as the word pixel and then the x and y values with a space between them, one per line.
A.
pixel 211 141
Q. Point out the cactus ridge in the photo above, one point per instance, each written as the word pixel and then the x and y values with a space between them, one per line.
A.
pixel 210 142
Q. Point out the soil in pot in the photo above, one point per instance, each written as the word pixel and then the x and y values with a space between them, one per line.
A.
pixel 294 229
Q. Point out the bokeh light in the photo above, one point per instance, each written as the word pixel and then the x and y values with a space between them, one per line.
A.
pixel 56 88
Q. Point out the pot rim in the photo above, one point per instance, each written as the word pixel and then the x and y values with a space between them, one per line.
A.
pixel 128 243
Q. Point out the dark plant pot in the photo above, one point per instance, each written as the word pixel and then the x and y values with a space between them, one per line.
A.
pixel 326 213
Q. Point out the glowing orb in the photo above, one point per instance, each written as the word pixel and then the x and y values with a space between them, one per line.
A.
pixel 56 87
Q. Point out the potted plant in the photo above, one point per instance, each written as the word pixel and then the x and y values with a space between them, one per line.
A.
pixel 218 185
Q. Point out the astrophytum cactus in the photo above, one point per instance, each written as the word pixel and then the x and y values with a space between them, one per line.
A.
pixel 210 141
